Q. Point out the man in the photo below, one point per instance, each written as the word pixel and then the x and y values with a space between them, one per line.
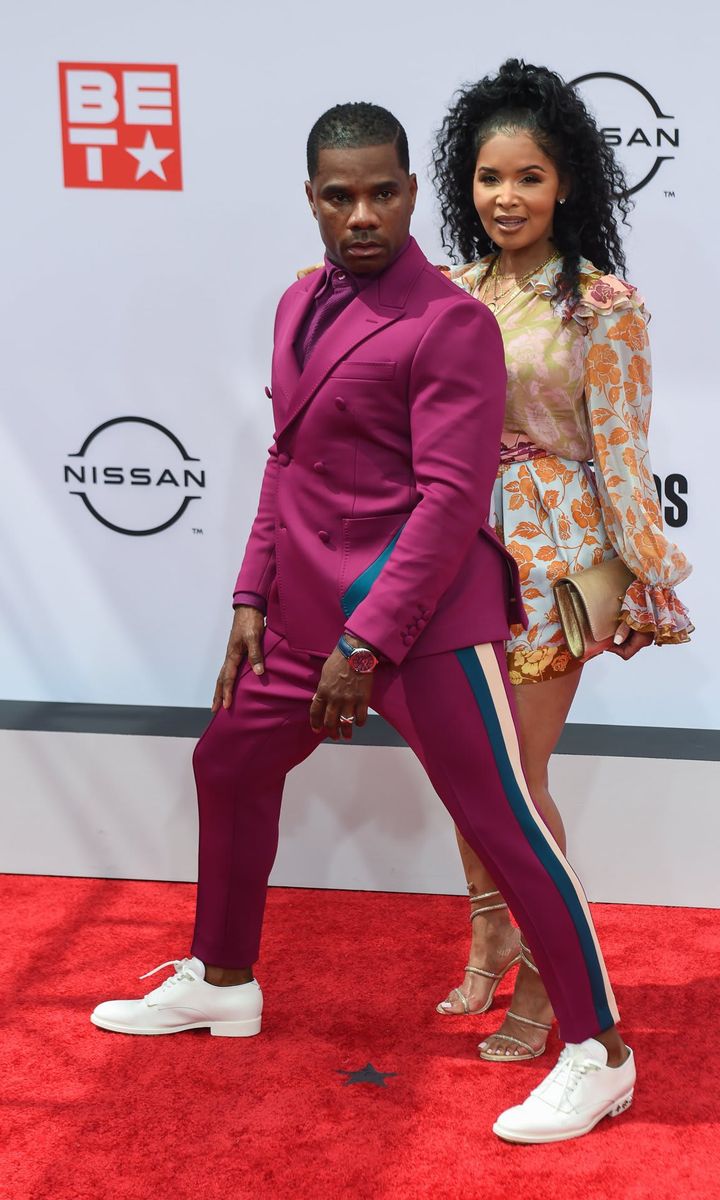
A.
pixel 371 572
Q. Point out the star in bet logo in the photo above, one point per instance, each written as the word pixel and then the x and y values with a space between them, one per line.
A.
pixel 120 126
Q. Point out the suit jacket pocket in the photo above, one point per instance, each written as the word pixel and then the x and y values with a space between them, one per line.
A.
pixel 356 369
pixel 367 543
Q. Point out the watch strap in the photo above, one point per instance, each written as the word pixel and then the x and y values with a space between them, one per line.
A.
pixel 344 646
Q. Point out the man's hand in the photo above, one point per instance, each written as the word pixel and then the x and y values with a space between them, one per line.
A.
pixel 631 641
pixel 340 692
pixel 245 638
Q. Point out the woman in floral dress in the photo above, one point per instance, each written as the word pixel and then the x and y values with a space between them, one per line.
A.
pixel 530 195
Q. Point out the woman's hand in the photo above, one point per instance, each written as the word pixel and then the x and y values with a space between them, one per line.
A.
pixel 627 642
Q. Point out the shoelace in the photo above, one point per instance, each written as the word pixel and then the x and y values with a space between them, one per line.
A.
pixel 182 972
pixel 566 1075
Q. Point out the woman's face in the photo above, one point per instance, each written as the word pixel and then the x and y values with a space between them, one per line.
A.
pixel 515 190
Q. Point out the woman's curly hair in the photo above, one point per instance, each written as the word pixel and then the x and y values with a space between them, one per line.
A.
pixel 539 102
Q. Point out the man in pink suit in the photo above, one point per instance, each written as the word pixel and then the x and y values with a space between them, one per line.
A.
pixel 371 574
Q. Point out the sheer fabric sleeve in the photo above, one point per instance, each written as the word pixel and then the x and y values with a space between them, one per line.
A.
pixel 618 392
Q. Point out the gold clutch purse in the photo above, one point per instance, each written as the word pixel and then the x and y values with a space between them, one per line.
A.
pixel 589 604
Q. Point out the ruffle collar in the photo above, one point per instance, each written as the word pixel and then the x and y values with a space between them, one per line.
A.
pixel 598 293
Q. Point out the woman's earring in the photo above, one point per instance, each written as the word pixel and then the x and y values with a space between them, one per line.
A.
pixel 563 200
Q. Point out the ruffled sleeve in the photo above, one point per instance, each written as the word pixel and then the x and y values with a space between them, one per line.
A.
pixel 618 396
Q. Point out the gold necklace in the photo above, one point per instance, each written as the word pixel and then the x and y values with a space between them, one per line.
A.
pixel 500 300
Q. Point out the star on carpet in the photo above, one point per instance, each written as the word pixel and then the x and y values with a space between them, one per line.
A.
pixel 367 1074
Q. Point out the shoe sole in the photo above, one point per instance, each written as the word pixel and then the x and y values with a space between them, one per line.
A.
pixel 615 1109
pixel 247 1028
pixel 510 1058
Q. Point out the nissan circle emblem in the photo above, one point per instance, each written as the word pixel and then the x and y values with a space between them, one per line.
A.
pixel 134 476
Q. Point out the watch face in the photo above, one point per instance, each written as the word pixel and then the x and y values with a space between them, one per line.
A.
pixel 362 661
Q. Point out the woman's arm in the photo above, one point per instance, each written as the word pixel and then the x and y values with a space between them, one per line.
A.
pixel 618 393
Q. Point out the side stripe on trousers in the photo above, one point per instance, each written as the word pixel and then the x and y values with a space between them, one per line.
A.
pixel 483 674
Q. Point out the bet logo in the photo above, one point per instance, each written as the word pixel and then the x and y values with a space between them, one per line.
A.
pixel 630 119
pixel 120 126
pixel 134 476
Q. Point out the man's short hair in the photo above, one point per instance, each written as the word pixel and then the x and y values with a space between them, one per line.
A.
pixel 352 126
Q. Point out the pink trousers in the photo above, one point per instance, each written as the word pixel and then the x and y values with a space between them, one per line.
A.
pixel 455 712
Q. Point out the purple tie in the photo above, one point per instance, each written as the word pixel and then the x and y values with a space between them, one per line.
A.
pixel 339 290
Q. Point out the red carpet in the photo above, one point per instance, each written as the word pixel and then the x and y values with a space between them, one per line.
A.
pixel 350 978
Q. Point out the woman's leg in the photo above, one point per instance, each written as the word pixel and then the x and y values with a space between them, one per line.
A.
pixel 542 711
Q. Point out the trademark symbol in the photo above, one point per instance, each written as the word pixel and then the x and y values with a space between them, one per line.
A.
pixel 197 531
pixel 669 195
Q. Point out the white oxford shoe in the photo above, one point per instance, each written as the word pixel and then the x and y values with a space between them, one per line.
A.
pixel 580 1090
pixel 186 1001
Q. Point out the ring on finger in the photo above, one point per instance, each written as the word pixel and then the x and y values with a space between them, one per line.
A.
pixel 346 720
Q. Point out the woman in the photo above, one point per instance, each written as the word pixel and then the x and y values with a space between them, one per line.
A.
pixel 529 193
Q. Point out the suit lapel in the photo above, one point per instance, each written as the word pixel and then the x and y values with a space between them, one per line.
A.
pixel 380 304
pixel 286 372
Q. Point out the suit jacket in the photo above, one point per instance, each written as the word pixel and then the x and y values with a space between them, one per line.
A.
pixel 374 503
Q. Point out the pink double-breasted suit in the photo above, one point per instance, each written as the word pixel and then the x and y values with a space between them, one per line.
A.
pixel 373 518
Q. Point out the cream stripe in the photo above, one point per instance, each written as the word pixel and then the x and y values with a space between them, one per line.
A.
pixel 491 671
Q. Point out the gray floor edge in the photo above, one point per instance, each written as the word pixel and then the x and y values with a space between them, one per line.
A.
pixel 615 741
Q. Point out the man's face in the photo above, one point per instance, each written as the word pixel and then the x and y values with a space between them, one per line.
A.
pixel 362 200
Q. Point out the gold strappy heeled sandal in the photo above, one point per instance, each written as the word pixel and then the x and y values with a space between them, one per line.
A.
pixel 529 1051
pixel 444 1007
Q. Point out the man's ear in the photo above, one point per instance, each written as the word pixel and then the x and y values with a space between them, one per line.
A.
pixel 413 190
pixel 310 197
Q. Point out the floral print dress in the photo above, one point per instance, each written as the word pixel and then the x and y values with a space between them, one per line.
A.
pixel 579 391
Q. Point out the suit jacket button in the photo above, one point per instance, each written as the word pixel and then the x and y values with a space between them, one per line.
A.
pixel 324 535
pixel 320 468
pixel 340 403
pixel 284 460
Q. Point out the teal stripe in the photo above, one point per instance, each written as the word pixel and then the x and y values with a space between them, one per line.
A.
pixel 476 676
pixel 360 588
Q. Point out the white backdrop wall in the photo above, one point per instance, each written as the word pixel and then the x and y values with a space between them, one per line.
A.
pixel 158 303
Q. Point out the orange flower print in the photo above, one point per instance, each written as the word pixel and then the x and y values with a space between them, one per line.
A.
pixel 586 512
pixel 630 329
pixel 546 469
pixel 537 661
pixel 649 506
pixel 601 450
pixel 523 557
pixel 557 570
pixel 629 457
pixel 651 545
pixel 630 392
pixel 639 372
pixel 564 527
pixel 601 366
